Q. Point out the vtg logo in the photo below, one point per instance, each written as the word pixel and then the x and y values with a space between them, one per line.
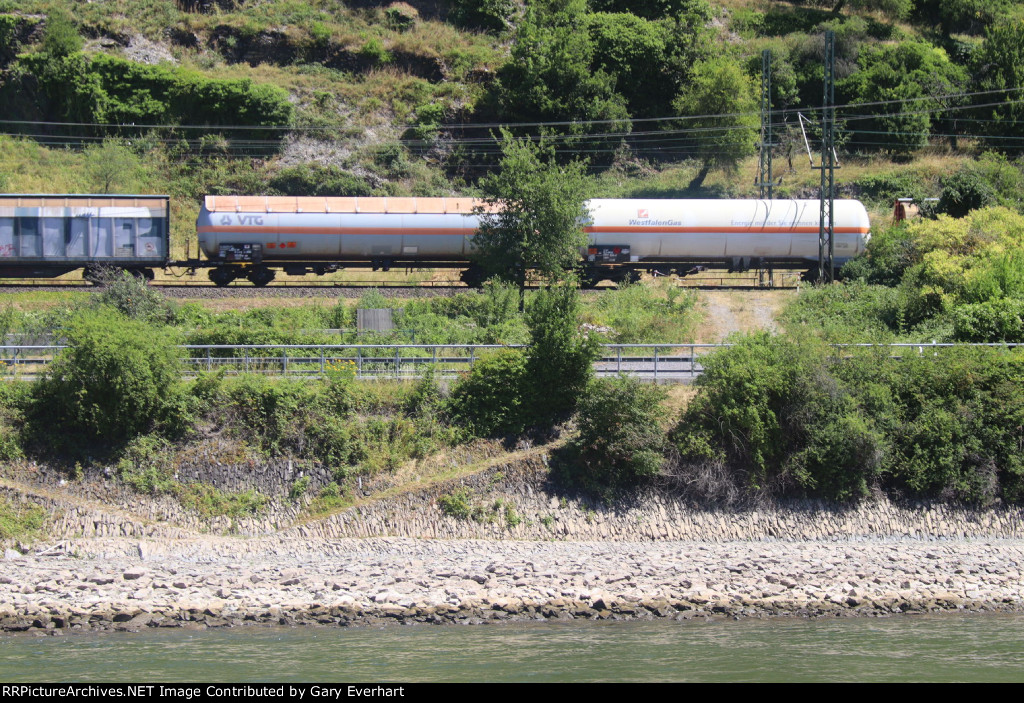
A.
pixel 242 220
pixel 643 213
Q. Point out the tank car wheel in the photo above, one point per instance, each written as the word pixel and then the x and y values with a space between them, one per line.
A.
pixel 222 276
pixel 261 276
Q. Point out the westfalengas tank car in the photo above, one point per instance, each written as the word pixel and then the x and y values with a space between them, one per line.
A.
pixel 42 236
pixel 253 236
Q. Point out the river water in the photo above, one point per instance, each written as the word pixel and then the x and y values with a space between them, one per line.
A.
pixel 977 647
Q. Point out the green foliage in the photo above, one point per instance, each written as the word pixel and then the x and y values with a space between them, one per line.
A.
pixel 490 399
pixel 771 410
pixel 298 489
pixel 535 214
pixel 145 465
pixel 657 9
pixel 885 187
pixel 620 444
pixel 991 321
pixel 20 521
pixel 114 380
pixel 112 163
pixel 401 17
pixel 955 424
pixel 853 311
pixel 132 297
pixel 560 359
pixel 959 16
pixel 317 180
pixel 634 51
pixel 990 180
pixel 15 399
pixel 493 16
pixel 551 74
pixel 102 88
pixel 644 312
pixel 456 504
pixel 8 38
pixel 719 100
pixel 778 416
pixel 999 65
pixel 60 38
pixel 933 267
pixel 209 501
pixel 330 498
pixel 908 71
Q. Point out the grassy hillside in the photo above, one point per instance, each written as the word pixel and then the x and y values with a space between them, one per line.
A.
pixel 400 98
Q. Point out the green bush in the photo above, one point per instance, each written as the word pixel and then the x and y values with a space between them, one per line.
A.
pixel 113 381
pixel 885 188
pixel 620 444
pixel 990 180
pixel 770 410
pixel 132 297
pixel 991 321
pixel 317 180
pixel 559 363
pixel 954 423
pixel 492 16
pixel 20 521
pixel 106 88
pixel 456 505
pixel 489 400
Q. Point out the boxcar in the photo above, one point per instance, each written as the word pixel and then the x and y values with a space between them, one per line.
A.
pixel 42 236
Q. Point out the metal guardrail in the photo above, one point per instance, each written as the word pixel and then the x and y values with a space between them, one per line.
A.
pixel 657 362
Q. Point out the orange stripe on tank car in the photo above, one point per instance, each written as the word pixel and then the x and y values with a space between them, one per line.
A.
pixel 725 230
pixel 420 231
pixel 255 229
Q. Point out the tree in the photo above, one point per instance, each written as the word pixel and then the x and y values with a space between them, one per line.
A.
pixel 551 74
pixel 999 65
pixel 111 163
pixel 534 214
pixel 559 362
pixel 720 101
pixel 910 79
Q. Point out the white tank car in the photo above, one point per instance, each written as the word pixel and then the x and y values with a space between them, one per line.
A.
pixel 251 235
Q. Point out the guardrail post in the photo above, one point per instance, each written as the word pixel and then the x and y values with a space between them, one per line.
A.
pixel 321 361
pixel 359 362
pixel 284 362
pixel 396 362
pixel 618 360
pixel 209 361
pixel 655 364
pixel 693 360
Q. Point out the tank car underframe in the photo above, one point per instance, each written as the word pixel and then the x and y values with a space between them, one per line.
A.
pixel 261 273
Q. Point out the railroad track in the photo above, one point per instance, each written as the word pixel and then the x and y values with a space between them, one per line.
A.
pixel 244 288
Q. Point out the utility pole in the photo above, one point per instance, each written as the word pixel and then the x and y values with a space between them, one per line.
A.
pixel 826 228
pixel 764 173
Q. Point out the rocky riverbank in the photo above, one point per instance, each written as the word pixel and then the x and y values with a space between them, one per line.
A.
pixel 120 584
pixel 113 559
